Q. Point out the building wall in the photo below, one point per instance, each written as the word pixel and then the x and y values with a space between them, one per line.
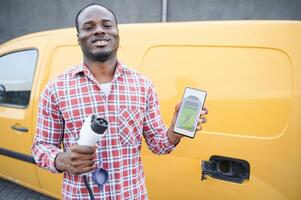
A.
pixel 192 10
pixel 19 17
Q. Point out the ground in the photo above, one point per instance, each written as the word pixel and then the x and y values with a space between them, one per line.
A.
pixel 12 191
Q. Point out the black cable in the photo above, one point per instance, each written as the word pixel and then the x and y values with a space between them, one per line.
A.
pixel 88 187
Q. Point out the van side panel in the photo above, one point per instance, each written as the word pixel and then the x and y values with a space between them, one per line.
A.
pixel 249 70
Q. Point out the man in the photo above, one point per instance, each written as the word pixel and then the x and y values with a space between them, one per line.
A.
pixel 106 87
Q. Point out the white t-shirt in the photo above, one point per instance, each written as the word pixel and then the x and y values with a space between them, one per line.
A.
pixel 106 87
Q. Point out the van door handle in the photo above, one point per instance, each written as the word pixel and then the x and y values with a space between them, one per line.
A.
pixel 227 169
pixel 17 127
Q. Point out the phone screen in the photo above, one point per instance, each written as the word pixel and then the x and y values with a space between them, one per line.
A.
pixel 188 115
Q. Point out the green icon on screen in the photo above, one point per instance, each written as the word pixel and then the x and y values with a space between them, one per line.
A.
pixel 189 112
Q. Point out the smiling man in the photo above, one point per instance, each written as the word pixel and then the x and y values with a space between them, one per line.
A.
pixel 101 85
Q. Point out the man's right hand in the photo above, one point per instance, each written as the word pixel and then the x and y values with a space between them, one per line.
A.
pixel 77 160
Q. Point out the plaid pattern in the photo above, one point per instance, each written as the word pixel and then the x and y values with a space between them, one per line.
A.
pixel 132 111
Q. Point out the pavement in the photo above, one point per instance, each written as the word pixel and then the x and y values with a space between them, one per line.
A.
pixel 13 191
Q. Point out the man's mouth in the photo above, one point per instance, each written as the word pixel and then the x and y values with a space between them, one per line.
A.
pixel 100 42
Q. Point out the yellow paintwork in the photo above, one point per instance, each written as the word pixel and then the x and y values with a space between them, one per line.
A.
pixel 252 73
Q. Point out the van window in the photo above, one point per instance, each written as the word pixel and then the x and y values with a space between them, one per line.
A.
pixel 16 75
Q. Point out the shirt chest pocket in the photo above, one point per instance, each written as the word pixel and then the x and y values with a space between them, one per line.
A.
pixel 130 123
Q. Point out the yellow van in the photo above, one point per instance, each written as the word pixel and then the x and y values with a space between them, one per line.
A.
pixel 249 149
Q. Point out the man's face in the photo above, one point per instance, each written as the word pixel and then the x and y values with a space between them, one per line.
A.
pixel 98 33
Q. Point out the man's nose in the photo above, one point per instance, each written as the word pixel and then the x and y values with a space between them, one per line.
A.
pixel 99 30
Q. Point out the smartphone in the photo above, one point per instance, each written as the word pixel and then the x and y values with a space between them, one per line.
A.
pixel 190 110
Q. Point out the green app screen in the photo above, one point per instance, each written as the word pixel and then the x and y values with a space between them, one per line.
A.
pixel 187 118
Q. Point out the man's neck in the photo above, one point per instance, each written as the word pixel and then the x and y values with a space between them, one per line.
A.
pixel 102 71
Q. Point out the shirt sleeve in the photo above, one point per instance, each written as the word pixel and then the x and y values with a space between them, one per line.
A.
pixel 49 131
pixel 155 131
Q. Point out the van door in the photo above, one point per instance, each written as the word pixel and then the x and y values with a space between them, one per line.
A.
pixel 17 71
pixel 21 67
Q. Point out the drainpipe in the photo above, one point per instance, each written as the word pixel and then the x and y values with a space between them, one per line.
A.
pixel 164 10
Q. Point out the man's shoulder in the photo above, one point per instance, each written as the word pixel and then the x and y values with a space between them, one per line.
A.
pixel 69 72
pixel 63 77
pixel 129 72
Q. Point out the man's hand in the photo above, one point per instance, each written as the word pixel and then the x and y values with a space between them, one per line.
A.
pixel 175 138
pixel 77 160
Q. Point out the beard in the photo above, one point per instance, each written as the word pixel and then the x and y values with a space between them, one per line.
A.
pixel 98 56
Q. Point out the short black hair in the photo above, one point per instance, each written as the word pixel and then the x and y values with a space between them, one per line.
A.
pixel 91 4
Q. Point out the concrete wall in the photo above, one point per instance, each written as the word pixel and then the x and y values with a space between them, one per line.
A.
pixel 19 17
pixel 192 10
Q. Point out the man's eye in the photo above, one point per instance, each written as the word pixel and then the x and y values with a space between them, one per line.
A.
pixel 88 27
pixel 107 25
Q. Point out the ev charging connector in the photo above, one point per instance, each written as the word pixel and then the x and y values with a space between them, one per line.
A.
pixel 92 130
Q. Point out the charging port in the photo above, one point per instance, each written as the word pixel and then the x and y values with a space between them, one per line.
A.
pixel 225 168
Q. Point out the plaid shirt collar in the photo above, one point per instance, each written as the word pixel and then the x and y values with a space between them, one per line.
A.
pixel 83 69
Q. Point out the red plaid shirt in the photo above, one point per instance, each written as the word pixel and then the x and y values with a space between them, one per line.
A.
pixel 132 111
